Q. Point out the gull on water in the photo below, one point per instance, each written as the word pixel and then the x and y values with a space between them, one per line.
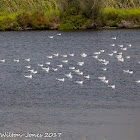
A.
pixel 65 61
pixel 112 86
pixel 104 69
pixel 119 56
pixel 120 53
pixel 100 60
pixel 64 55
pixel 129 45
pixel 124 49
pixel 50 36
pixel 102 50
pixel 87 76
pixel 72 68
pixel 50 57
pixel 33 71
pixel 114 51
pixel 121 46
pixel 80 73
pixel 80 63
pixel 105 81
pixel 16 60
pixel 54 69
pixel 121 59
pixel 2 60
pixel 112 45
pixel 48 63
pixel 102 78
pixel 28 59
pixel 128 71
pixel 97 52
pixel 72 54
pixel 114 38
pixel 59 34
pixel 28 67
pixel 106 63
pixel 79 82
pixel 28 76
pixel 127 57
pixel 96 57
pixel 111 54
pixel 56 54
pixel 69 75
pixel 60 66
pixel 83 55
pixel 137 81
pixel 76 71
pixel 41 65
pixel 61 80
pixel 46 69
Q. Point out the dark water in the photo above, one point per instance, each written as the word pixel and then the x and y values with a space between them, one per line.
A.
pixel 90 111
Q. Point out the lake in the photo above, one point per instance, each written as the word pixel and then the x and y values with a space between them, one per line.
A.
pixel 80 85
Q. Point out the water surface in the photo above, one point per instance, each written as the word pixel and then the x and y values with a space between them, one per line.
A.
pixel 92 110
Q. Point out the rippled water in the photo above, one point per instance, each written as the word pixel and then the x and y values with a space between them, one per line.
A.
pixel 92 110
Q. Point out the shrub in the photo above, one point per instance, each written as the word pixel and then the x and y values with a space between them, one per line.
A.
pixel 72 22
pixel 8 22
pixel 24 19
pixel 111 13
pixel 39 21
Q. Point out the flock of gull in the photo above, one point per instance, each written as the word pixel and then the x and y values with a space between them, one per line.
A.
pixel 75 69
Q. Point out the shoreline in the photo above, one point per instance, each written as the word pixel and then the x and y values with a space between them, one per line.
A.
pixel 74 29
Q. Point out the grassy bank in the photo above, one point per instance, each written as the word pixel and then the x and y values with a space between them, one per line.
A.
pixel 68 14
pixel 123 18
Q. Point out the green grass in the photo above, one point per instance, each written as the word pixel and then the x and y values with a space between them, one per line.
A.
pixel 65 14
pixel 35 14
pixel 116 15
